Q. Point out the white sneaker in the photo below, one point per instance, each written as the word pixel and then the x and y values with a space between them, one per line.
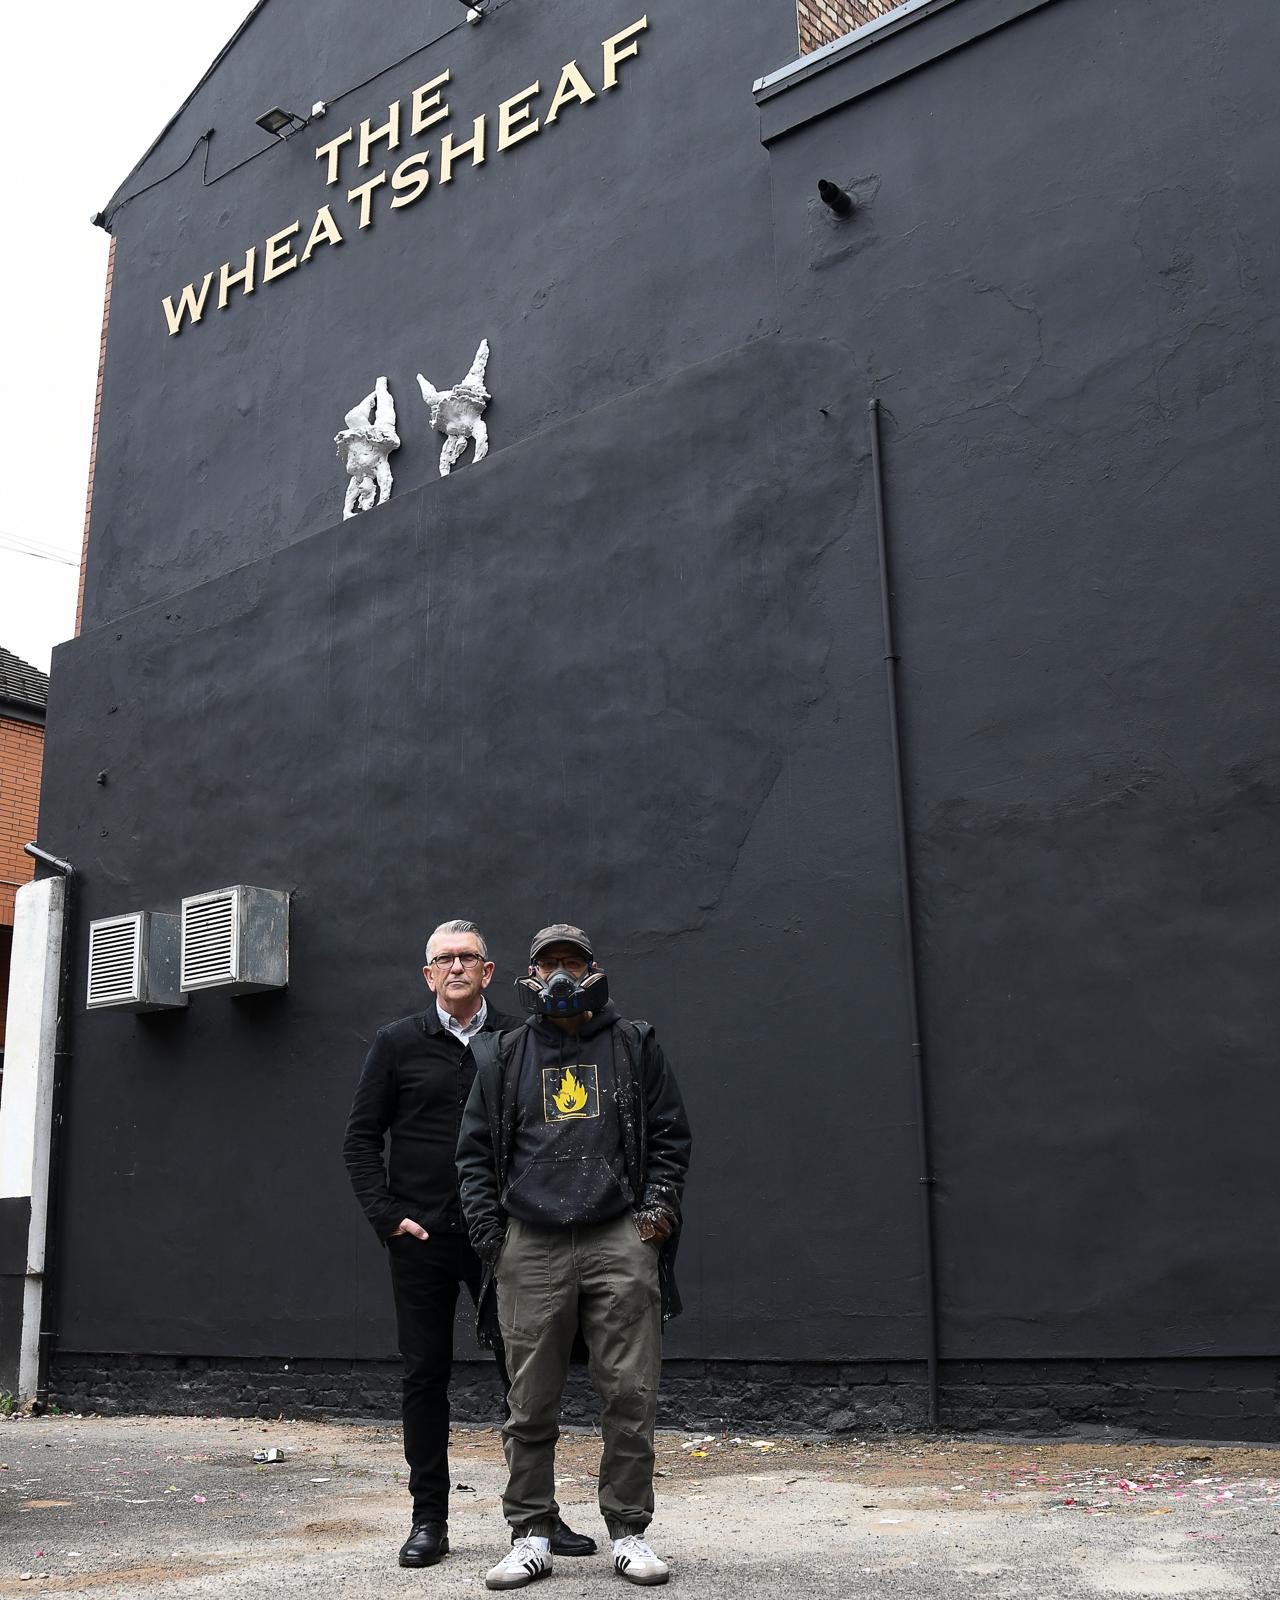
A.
pixel 634 1561
pixel 527 1559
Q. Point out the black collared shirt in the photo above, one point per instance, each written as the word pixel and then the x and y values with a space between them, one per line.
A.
pixel 415 1082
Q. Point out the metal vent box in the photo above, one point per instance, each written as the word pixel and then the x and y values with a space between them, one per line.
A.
pixel 133 963
pixel 236 939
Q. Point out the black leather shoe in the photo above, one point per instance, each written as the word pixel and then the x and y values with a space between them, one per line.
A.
pixel 565 1542
pixel 428 1542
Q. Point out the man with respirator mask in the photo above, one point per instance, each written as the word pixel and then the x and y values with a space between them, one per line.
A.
pixel 571 1161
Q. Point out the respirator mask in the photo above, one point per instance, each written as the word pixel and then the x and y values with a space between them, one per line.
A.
pixel 563 995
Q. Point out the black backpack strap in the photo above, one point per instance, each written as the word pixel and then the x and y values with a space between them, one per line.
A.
pixel 507 1043
pixel 633 1034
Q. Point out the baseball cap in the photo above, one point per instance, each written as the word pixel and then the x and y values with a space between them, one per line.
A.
pixel 560 933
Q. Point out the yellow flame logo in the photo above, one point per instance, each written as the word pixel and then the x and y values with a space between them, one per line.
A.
pixel 570 1096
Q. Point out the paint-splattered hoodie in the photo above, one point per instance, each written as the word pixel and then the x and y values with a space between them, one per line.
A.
pixel 652 1123
pixel 566 1162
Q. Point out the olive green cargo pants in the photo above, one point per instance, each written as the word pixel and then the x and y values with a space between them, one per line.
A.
pixel 550 1280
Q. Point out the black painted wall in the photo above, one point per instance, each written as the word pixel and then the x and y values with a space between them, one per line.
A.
pixel 621 244
pixel 650 701
pixel 1063 286
pixel 628 671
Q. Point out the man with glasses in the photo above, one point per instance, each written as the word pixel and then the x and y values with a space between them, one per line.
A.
pixel 414 1085
pixel 572 1161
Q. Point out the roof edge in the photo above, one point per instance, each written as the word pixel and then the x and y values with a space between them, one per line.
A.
pixel 21 711
pixel 119 197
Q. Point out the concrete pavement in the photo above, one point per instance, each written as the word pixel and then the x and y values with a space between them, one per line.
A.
pixel 127 1508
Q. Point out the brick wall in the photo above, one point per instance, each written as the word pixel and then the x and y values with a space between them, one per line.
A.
pixel 97 416
pixel 21 755
pixel 821 21
pixel 1196 1399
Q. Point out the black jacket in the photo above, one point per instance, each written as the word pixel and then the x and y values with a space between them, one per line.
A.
pixel 655 1136
pixel 414 1085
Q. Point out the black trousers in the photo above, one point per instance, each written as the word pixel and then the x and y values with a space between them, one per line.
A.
pixel 425 1275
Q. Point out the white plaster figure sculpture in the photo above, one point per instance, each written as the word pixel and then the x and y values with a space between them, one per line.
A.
pixel 363 447
pixel 458 412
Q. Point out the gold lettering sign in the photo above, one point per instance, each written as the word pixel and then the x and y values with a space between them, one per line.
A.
pixel 516 119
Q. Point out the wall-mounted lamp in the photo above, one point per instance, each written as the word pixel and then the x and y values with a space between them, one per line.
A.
pixel 839 200
pixel 475 9
pixel 280 122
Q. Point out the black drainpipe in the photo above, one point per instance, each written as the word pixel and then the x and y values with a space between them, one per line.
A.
pixel 925 1175
pixel 60 1057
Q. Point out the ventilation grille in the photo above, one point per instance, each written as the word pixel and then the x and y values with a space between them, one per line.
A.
pixel 210 939
pixel 115 961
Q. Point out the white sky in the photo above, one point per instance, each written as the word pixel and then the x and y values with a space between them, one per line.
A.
pixel 85 90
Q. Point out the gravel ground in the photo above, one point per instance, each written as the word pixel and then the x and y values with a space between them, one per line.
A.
pixel 149 1506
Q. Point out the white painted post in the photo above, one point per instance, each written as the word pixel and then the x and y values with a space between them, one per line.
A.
pixel 26 1108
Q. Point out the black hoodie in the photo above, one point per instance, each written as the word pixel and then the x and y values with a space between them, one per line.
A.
pixel 567 1163
pixel 655 1143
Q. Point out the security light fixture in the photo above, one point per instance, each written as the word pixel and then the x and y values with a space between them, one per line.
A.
pixel 475 9
pixel 280 122
pixel 839 200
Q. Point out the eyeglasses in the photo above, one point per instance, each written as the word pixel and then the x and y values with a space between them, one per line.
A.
pixel 573 964
pixel 468 959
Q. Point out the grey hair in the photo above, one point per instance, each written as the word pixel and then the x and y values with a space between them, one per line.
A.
pixel 459 925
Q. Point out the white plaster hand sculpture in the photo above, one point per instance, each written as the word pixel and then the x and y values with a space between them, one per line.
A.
pixel 363 447
pixel 457 412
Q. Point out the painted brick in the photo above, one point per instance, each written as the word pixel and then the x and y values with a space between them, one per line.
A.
pixel 1194 1399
